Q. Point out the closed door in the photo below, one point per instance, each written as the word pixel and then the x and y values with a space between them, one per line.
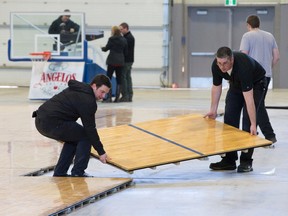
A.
pixel 266 16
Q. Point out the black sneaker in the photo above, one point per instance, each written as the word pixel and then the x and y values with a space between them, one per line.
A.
pixel 223 165
pixel 245 167
pixel 83 175
pixel 124 99
pixel 272 139
pixel 64 175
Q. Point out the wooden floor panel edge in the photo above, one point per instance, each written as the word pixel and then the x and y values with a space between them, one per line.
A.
pixel 92 199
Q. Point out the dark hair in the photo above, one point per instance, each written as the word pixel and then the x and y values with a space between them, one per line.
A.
pixel 100 80
pixel 224 52
pixel 253 21
pixel 124 25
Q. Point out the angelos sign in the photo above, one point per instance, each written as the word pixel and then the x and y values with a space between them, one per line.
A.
pixel 49 79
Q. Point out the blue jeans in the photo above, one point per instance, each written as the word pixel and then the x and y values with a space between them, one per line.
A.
pixel 76 144
pixel 234 104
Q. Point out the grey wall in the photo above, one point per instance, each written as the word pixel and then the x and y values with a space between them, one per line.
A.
pixel 180 53
pixel 178 64
pixel 281 76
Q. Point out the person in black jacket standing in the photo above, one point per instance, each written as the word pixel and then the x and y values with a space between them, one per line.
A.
pixel 116 59
pixel 57 117
pixel 127 85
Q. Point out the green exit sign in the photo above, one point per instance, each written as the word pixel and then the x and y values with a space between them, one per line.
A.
pixel 230 2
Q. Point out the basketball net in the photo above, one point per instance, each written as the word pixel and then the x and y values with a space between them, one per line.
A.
pixel 38 60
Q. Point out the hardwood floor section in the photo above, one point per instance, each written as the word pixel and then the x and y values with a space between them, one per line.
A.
pixel 52 196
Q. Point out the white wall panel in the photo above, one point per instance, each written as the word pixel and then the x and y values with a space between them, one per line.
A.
pixel 146 78
pixel 3 45
pixel 136 14
pixel 141 13
pixel 148 48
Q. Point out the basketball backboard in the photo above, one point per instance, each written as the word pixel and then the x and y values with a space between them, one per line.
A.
pixel 30 33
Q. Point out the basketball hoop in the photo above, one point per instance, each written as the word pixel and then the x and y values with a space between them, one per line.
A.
pixel 40 56
pixel 39 60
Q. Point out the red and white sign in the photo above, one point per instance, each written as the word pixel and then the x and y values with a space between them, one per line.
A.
pixel 50 78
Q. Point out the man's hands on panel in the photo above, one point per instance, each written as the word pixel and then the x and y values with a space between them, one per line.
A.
pixel 211 115
pixel 104 158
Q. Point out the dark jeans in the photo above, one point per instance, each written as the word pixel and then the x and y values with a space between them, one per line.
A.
pixel 127 86
pixel 235 102
pixel 75 141
pixel 263 118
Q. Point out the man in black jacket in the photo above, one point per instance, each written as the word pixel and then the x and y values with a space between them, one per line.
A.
pixel 63 25
pixel 126 79
pixel 57 117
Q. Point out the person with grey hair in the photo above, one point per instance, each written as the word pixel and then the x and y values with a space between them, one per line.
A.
pixel 247 83
pixel 261 45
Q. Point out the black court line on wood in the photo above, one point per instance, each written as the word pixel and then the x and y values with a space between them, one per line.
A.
pixel 163 138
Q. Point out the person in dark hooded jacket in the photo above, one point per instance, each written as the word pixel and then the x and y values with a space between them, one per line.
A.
pixel 56 119
pixel 115 61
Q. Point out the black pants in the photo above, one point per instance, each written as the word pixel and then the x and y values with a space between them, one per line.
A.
pixel 118 70
pixel 234 104
pixel 76 144
pixel 263 120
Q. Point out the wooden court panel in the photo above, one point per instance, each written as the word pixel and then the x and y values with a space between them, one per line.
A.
pixel 204 135
pixel 132 149
pixel 171 140
pixel 54 195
